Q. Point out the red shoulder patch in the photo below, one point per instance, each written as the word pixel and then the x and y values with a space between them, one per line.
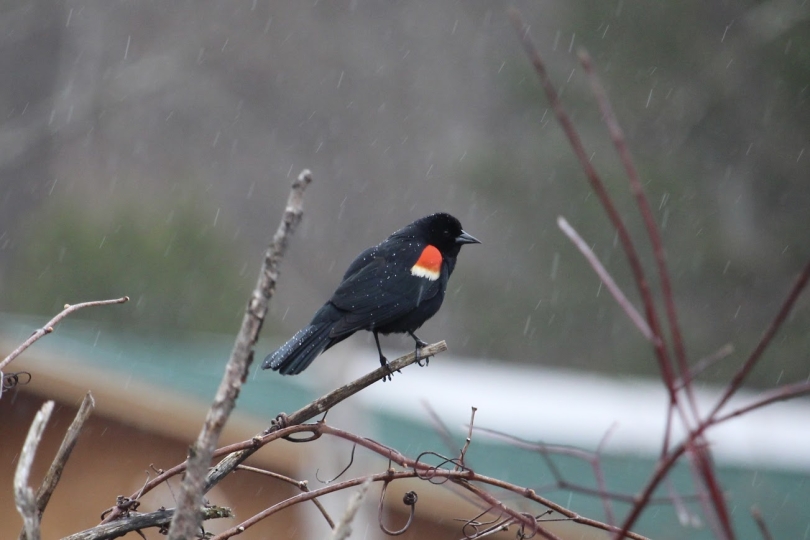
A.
pixel 429 264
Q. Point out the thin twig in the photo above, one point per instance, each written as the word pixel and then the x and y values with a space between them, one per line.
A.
pixel 770 332
pixel 763 527
pixel 62 455
pixel 706 362
pixel 662 356
pixel 710 494
pixel 559 482
pixel 662 468
pixel 49 326
pixel 186 521
pixel 783 393
pixel 258 441
pixel 344 529
pixel 23 494
pixel 467 441
pixel 650 225
pixel 598 473
pixel 342 472
pixel 300 484
pixel 603 274
pixel 685 516
pixel 669 460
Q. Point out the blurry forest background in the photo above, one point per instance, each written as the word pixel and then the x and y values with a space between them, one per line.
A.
pixel 147 148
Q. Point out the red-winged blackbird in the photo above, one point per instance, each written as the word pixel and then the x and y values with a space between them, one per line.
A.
pixel 393 287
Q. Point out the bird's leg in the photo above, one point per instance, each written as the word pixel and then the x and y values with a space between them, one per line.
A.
pixel 383 359
pixel 418 345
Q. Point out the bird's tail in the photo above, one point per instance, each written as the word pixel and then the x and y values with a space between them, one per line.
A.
pixel 294 356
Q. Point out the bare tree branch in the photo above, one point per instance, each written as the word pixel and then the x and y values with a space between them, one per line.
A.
pixel 303 485
pixel 321 405
pixel 606 278
pixel 770 332
pixel 344 529
pixel 135 522
pixel 783 393
pixel 23 494
pixel 49 326
pixel 468 440
pixel 62 455
pixel 236 453
pixel 598 186
pixel 187 519
pixel 706 362
pixel 617 136
pixel 763 527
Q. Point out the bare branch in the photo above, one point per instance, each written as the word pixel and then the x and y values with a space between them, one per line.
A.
pixel 598 186
pixel 62 455
pixel 763 527
pixel 468 440
pixel 463 478
pixel 187 519
pixel 598 473
pixel 770 332
pixel 23 494
pixel 300 484
pixel 236 453
pixel 603 274
pixel 344 529
pixel 783 393
pixel 135 522
pixel 706 362
pixel 49 326
pixel 321 405
pixel 650 225
pixel 421 470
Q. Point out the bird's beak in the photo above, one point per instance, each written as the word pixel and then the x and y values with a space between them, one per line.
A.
pixel 465 238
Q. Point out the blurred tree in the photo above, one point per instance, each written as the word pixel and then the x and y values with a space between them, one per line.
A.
pixel 181 273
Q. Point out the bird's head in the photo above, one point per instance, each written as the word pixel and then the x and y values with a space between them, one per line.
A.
pixel 443 231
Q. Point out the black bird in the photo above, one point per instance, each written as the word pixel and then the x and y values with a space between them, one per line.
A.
pixel 393 287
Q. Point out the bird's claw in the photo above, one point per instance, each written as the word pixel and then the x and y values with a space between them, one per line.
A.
pixel 384 363
pixel 419 345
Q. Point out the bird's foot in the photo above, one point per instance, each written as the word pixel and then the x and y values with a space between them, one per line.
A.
pixel 384 363
pixel 418 349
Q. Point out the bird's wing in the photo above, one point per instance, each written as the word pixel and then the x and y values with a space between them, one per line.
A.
pixel 377 293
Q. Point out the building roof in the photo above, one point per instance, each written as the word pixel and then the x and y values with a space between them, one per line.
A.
pixel 166 385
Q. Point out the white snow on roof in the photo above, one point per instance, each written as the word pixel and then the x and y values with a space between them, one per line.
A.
pixel 577 408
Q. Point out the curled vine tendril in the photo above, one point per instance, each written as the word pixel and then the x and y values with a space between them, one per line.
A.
pixel 429 474
pixel 408 499
pixel 10 380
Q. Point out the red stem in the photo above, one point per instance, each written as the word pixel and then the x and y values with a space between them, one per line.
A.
pixel 784 311
pixel 617 136
pixel 598 187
